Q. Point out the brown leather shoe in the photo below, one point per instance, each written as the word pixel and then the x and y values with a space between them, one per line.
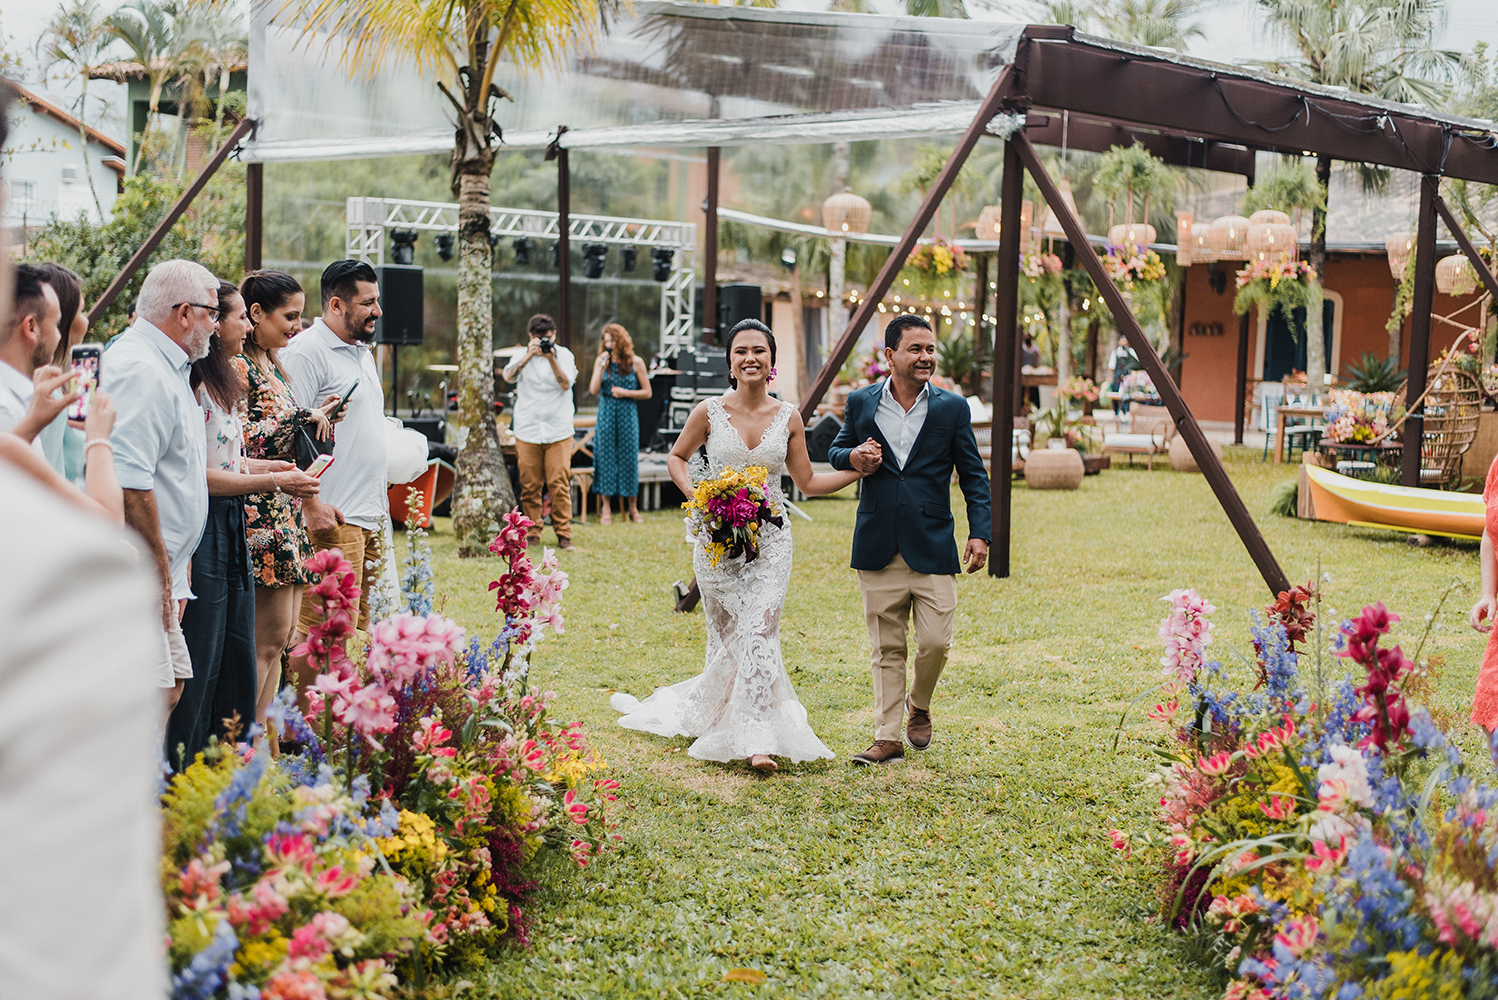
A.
pixel 882 752
pixel 565 544
pixel 917 726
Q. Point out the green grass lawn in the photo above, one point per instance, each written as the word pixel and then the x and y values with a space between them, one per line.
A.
pixel 979 868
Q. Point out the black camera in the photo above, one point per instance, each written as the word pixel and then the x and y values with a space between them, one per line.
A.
pixel 546 345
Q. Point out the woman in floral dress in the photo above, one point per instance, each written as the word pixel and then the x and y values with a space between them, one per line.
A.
pixel 278 541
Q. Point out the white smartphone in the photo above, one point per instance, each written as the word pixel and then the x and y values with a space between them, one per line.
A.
pixel 86 359
pixel 319 466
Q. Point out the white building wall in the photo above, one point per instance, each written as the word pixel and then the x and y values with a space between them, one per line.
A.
pixel 43 170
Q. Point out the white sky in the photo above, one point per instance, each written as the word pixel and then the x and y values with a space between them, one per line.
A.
pixel 1232 27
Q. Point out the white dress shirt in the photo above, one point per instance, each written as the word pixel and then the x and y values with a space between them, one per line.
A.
pixel 79 746
pixel 543 409
pixel 320 363
pixel 899 426
pixel 159 441
pixel 15 399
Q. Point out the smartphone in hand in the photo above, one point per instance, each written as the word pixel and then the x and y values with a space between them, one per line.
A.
pixel 319 466
pixel 333 415
pixel 85 361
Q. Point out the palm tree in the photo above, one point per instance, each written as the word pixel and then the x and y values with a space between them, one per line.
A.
pixel 77 38
pixel 1377 47
pixel 1160 23
pixel 461 43
pixel 148 30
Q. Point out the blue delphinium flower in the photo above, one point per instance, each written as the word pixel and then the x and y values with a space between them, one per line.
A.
pixel 385 823
pixel 1369 887
pixel 208 970
pixel 418 588
pixel 1281 670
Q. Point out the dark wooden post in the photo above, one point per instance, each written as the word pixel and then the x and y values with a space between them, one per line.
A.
pixel 1420 307
pixel 172 215
pixel 981 309
pixel 1186 425
pixel 710 252
pixel 564 250
pixel 1005 361
pixel 1240 383
pixel 254 201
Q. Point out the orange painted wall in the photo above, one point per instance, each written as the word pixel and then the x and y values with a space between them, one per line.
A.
pixel 1367 291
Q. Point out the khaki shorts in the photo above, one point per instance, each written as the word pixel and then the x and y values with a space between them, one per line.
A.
pixel 360 546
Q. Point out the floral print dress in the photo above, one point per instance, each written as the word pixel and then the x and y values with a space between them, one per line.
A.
pixel 279 548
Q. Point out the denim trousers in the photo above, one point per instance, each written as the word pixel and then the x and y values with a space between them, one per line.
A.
pixel 219 626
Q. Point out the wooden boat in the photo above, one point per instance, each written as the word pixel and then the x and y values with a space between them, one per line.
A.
pixel 1329 496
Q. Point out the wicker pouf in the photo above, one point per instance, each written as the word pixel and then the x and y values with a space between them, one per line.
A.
pixel 1181 458
pixel 1054 469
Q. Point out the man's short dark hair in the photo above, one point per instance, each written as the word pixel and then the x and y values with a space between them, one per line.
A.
pixel 341 278
pixel 30 293
pixel 897 327
pixel 540 325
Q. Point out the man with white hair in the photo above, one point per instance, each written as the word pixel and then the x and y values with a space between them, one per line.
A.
pixel 160 446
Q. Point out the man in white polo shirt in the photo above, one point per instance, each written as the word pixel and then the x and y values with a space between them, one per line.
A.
pixel 332 357
pixel 159 442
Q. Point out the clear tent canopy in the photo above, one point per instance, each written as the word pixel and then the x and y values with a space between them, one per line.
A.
pixel 671 74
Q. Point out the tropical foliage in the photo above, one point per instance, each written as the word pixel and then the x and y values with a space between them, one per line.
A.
pixel 1370 373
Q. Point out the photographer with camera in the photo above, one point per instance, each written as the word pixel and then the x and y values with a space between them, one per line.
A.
pixel 542 425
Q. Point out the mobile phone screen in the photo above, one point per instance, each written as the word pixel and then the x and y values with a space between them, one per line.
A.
pixel 86 359
pixel 319 466
pixel 344 401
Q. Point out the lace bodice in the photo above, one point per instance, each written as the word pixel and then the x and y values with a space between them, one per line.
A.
pixel 726 447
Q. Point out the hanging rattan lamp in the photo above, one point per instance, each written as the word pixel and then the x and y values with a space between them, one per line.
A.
pixel 846 212
pixel 1454 275
pixel 1229 236
pixel 988 223
pixel 1201 243
pixel 1267 240
pixel 1184 246
pixel 1399 247
pixel 1136 234
pixel 1268 217
pixel 1050 226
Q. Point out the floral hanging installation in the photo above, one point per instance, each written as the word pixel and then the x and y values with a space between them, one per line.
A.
pixel 396 839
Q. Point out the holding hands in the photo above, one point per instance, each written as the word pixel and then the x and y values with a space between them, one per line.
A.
pixel 867 457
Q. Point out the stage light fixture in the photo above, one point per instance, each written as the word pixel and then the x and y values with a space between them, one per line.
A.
pixel 445 246
pixel 788 258
pixel 594 255
pixel 662 258
pixel 404 249
pixel 556 253
pixel 627 257
pixel 522 247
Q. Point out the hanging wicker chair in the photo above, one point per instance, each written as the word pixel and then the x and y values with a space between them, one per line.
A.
pixel 1451 407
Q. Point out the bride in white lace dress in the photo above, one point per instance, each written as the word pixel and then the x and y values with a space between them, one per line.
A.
pixel 742 705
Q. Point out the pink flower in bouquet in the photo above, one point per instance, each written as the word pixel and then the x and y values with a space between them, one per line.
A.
pixel 1186 632
pixel 336 881
pixel 1299 935
pixel 509 544
pixel 1164 711
pixel 429 736
pixel 290 850
pixel 1326 858
pixel 1121 842
pixel 1279 807
pixel 1216 765
pixel 406 645
pixel 575 808
pixel 306 942
pixel 293 986
pixel 200 883
pixel 1332 796
pixel 369 710
pixel 1272 740
pixel 582 852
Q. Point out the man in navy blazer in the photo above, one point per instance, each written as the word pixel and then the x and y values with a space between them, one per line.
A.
pixel 913 435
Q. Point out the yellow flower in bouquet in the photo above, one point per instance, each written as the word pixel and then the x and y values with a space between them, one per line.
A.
pixel 727 511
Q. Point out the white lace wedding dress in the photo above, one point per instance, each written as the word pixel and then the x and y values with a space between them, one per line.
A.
pixel 742 703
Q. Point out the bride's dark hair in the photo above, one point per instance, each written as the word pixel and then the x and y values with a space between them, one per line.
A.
pixel 740 327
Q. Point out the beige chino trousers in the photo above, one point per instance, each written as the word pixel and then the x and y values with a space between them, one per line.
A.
pixel 892 596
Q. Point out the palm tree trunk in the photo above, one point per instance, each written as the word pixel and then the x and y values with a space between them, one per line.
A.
pixel 482 493
pixel 837 267
pixel 1316 257
pixel 83 137
pixel 1063 338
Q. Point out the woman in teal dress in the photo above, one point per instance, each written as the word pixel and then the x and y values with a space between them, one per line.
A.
pixel 619 378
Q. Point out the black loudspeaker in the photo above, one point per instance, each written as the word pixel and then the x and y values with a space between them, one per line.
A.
pixel 820 435
pixel 737 302
pixel 401 302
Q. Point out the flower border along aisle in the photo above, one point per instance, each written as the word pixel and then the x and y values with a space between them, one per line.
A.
pixel 401 840
pixel 1335 851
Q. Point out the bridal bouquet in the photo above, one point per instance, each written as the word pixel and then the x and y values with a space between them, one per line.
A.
pixel 726 512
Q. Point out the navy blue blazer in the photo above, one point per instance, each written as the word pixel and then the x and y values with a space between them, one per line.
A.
pixel 909 510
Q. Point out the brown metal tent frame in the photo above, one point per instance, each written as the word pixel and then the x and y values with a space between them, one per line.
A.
pixel 1190 106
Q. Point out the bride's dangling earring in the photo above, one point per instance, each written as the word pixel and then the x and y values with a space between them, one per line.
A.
pixel 772 376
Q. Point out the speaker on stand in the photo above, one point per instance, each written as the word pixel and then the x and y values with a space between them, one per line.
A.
pixel 737 302
pixel 400 323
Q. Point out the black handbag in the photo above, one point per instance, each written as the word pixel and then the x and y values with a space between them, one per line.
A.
pixel 306 447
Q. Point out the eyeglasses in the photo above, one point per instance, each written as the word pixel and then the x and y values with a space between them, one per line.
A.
pixel 213 309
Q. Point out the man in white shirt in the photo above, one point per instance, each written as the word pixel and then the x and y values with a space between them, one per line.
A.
pixel 543 427
pixel 331 357
pixel 160 447
pixel 27 344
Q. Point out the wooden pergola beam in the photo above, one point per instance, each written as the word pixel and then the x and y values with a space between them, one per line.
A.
pixel 1421 304
pixel 1186 425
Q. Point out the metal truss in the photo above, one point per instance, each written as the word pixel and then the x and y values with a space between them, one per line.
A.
pixel 369 218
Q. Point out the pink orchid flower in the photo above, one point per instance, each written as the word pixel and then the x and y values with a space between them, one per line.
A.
pixel 1216 765
pixel 1279 807
pixel 1299 935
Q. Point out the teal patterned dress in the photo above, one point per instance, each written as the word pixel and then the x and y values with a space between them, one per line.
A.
pixel 616 436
